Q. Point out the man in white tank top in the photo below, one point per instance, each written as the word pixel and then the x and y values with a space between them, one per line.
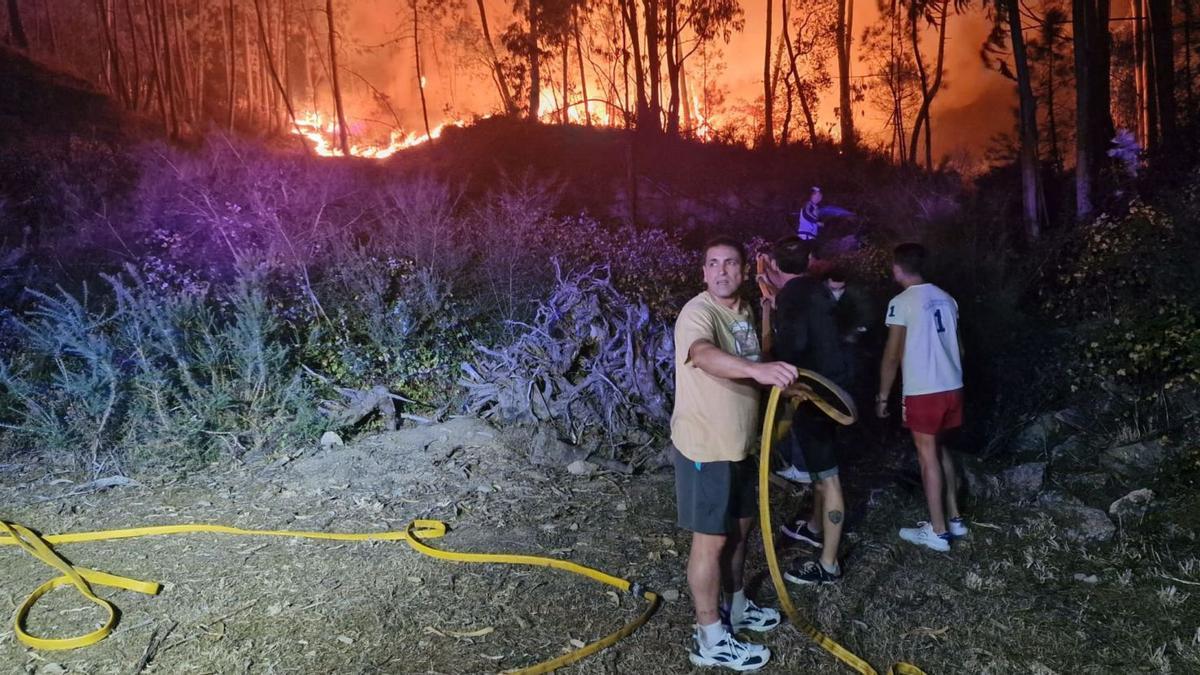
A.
pixel 923 342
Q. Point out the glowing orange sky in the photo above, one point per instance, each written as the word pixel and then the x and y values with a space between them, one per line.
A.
pixel 975 102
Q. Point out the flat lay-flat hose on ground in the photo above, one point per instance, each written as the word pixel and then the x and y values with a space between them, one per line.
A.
pixel 414 535
pixel 812 388
pixel 805 391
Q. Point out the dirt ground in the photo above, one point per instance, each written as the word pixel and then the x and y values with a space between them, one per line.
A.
pixel 1013 597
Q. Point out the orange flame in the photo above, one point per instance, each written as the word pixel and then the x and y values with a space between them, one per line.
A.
pixel 322 133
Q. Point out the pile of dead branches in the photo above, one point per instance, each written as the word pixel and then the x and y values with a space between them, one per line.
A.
pixel 594 363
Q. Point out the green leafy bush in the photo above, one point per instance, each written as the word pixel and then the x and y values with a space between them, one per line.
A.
pixel 1126 283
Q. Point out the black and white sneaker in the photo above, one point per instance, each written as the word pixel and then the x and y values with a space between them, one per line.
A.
pixel 729 653
pixel 801 532
pixel 957 527
pixel 812 572
pixel 755 618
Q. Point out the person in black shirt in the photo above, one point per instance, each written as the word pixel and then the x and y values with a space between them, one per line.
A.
pixel 855 315
pixel 807 336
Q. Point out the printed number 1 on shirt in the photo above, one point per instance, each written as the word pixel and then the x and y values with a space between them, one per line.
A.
pixel 937 317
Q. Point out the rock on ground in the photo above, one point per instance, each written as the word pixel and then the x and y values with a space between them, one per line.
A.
pixel 1023 481
pixel 1135 459
pixel 1132 506
pixel 1080 523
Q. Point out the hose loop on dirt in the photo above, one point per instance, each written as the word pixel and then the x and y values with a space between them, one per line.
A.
pixel 417 531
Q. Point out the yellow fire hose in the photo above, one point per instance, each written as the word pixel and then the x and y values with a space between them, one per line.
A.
pixel 770 434
pixel 415 534
pixel 417 531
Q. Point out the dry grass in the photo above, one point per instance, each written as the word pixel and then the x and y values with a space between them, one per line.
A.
pixel 1005 601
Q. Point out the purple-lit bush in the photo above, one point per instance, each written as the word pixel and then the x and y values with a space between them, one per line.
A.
pixel 214 276
pixel 148 374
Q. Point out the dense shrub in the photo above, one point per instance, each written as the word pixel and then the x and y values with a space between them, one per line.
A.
pixel 229 268
pixel 1127 283
pixel 153 375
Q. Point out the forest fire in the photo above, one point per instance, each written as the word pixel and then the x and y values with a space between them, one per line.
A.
pixel 321 132
pixel 322 136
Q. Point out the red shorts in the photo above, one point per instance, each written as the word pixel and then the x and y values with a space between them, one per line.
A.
pixel 933 413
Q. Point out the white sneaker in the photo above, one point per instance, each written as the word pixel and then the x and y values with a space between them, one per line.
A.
pixel 795 475
pixel 958 527
pixel 755 618
pixel 923 535
pixel 730 653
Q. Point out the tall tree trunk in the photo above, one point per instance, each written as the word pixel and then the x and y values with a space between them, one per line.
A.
pixel 844 35
pixel 897 81
pixel 287 100
pixel 768 137
pixel 174 67
pixel 1051 114
pixel 1082 25
pixel 625 70
pixel 535 75
pixel 671 47
pixel 685 93
pixel 16 29
pixel 785 128
pixel 231 64
pixel 105 16
pixel 1189 81
pixel 805 108
pixel 343 132
pixel 928 91
pixel 630 12
pixel 587 111
pixel 157 69
pixel 506 98
pixel 168 69
pixel 1163 55
pixel 1031 180
pixel 177 66
pixel 566 97
pixel 1103 128
pixel 136 86
pixel 420 73
pixel 654 59
pixel 1147 117
pixel 285 41
pixel 185 63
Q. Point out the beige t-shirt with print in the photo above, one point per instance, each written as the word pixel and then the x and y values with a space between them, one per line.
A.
pixel 715 419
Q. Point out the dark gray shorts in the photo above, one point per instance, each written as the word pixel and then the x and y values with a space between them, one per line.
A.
pixel 712 496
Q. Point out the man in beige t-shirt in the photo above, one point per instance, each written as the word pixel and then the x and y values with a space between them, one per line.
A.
pixel 718 376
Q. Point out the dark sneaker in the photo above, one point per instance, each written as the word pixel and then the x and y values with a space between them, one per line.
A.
pixel 730 653
pixel 811 572
pixel 800 532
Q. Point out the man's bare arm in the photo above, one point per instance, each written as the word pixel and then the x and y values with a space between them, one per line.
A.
pixel 893 352
pixel 716 362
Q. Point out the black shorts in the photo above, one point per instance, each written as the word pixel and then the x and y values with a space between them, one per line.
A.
pixel 816 434
pixel 712 496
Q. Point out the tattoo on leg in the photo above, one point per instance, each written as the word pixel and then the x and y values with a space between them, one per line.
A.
pixel 834 517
